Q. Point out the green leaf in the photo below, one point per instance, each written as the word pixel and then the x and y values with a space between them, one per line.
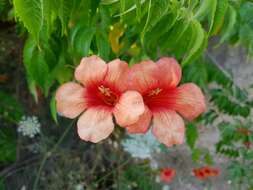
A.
pixel 198 43
pixel 162 27
pixel 170 39
pixel 64 11
pixel 204 10
pixel 197 73
pixel 212 14
pixel 220 12
pixel 103 45
pixel 159 8
pixel 50 8
pixel 36 66
pixel 81 40
pixel 30 13
pixel 138 9
pixel 191 135
pixel 53 109
pixel 230 21
pixel 40 70
pixel 196 153
pixel 208 158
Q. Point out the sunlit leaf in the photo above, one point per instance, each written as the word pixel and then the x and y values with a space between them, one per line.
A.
pixel 30 13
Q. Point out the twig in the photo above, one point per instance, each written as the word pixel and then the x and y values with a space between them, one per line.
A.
pixel 5 172
pixel 49 153
pixel 109 173
pixel 225 72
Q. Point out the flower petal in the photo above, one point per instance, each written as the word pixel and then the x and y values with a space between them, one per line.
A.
pixel 142 125
pixel 95 125
pixel 169 72
pixel 116 74
pixel 70 100
pixel 129 108
pixel 189 101
pixel 91 70
pixel 168 127
pixel 142 77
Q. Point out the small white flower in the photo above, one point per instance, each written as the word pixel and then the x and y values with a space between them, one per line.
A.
pixel 166 187
pixel 141 146
pixel 79 187
pixel 29 126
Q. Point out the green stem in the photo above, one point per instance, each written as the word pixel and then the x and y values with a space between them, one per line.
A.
pixel 49 153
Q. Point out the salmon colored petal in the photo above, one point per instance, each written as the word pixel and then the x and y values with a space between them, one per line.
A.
pixel 142 77
pixel 129 108
pixel 189 101
pixel 95 125
pixel 70 100
pixel 116 74
pixel 169 72
pixel 142 125
pixel 168 127
pixel 91 70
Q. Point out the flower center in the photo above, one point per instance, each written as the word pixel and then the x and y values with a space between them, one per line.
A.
pixel 155 92
pixel 107 95
pixel 167 173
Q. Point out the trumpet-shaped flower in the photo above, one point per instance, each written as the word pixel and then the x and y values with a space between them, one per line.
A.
pixel 164 100
pixel 167 174
pixel 205 172
pixel 100 94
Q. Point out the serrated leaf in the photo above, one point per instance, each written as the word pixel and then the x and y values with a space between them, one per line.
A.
pixel 197 73
pixel 198 39
pixel 191 135
pixel 81 40
pixel 204 10
pixel 220 12
pixel 230 21
pixel 162 27
pixel 159 8
pixel 30 13
pixel 171 38
pixel 64 11
pixel 50 8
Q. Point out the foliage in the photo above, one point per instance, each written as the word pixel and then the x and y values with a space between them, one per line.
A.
pixel 60 35
pixel 140 176
pixel 7 145
pixel 10 108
